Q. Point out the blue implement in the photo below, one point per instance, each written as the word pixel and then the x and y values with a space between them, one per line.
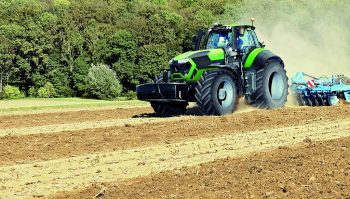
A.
pixel 321 91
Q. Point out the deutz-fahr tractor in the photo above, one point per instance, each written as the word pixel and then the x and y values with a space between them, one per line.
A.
pixel 228 62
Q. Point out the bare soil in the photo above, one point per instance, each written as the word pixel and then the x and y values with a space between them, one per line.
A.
pixel 29 120
pixel 63 174
pixel 21 149
pixel 311 170
pixel 133 153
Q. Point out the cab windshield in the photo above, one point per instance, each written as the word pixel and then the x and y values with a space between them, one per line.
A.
pixel 219 40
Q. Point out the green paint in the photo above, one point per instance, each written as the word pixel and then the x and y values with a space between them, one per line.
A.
pixel 184 55
pixel 189 77
pixel 199 74
pixel 251 57
pixel 181 77
pixel 187 54
pixel 216 54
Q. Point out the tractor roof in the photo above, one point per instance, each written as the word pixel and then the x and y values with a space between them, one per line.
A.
pixel 220 26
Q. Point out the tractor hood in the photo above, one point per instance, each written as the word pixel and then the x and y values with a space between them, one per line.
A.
pixel 201 58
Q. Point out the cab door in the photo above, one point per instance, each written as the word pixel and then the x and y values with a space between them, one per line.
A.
pixel 249 43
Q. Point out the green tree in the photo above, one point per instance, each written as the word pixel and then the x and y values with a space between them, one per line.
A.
pixel 6 58
pixel 121 54
pixel 11 92
pixel 79 74
pixel 57 41
pixel 47 91
pixel 102 82
pixel 152 59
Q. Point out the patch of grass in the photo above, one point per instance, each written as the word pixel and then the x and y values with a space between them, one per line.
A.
pixel 62 103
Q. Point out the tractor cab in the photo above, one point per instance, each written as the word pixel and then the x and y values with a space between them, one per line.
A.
pixel 237 41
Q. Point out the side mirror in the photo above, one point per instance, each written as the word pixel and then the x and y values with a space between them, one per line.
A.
pixel 194 39
pixel 198 39
pixel 262 44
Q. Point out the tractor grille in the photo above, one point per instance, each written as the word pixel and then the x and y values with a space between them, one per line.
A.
pixel 180 68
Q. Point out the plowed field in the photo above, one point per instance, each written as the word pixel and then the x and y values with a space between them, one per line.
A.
pixel 113 152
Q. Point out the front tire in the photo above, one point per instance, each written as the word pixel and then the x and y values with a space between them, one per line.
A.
pixel 169 108
pixel 217 93
pixel 272 86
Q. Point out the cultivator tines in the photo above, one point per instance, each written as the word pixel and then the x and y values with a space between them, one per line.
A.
pixel 323 91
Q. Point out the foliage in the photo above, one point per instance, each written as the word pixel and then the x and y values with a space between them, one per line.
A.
pixel 32 92
pixel 130 95
pixel 11 92
pixel 102 82
pixel 47 91
pixel 79 73
pixel 57 41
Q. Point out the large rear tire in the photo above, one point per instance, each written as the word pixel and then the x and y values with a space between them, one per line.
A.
pixel 272 86
pixel 217 93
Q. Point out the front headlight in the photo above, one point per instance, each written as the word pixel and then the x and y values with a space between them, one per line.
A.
pixel 183 61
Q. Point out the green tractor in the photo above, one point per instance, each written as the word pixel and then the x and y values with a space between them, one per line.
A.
pixel 228 62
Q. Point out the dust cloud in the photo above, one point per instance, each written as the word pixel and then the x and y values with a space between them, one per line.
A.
pixel 310 36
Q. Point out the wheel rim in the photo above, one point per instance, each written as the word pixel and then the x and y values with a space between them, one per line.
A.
pixel 276 86
pixel 225 94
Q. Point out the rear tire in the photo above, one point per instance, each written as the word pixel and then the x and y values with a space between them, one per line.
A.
pixel 272 86
pixel 217 93
pixel 169 108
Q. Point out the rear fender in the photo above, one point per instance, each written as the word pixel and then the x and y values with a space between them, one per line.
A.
pixel 258 58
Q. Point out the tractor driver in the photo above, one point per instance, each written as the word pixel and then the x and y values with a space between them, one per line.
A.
pixel 239 42
pixel 219 39
pixel 224 40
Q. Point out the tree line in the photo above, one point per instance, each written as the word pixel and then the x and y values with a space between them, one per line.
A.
pixel 59 48
pixel 57 42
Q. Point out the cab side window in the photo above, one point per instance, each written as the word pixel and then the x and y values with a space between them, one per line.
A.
pixel 219 40
pixel 256 40
pixel 248 39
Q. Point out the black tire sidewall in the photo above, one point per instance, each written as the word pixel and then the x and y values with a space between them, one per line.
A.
pixel 271 68
pixel 169 108
pixel 214 94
